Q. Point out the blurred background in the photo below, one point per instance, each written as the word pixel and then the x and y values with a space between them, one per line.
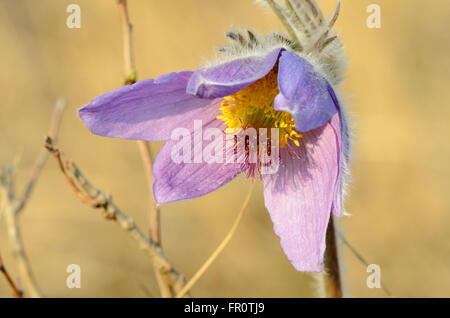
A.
pixel 397 90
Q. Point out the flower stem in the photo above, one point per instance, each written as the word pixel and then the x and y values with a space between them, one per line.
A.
pixel 333 276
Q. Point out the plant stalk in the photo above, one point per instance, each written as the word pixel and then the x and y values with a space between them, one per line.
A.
pixel 333 267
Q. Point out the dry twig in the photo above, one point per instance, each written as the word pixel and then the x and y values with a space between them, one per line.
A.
pixel 17 292
pixel 164 282
pixel 99 199
pixel 333 276
pixel 13 205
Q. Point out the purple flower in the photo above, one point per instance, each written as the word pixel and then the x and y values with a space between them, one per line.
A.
pixel 267 84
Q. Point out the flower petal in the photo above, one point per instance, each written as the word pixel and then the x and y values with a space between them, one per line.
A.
pixel 299 197
pixel 303 92
pixel 337 204
pixel 344 170
pixel 147 110
pixel 228 78
pixel 345 131
pixel 179 181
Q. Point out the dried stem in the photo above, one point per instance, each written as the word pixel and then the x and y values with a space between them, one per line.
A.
pixel 360 258
pixel 99 199
pixel 14 232
pixel 147 160
pixel 333 276
pixel 128 56
pixel 43 155
pixel 12 206
pixel 144 147
pixel 17 292
pixel 220 248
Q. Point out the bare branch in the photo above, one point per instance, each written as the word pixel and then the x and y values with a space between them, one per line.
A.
pixel 12 206
pixel 144 146
pixel 43 155
pixel 164 282
pixel 17 292
pixel 98 199
pixel 128 57
pixel 16 242
pixel 360 258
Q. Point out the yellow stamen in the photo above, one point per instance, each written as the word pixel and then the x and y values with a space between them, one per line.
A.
pixel 252 107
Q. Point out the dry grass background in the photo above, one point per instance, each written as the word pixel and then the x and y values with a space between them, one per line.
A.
pixel 397 88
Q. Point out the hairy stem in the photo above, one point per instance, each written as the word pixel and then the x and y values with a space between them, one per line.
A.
pixel 333 276
pixel 281 14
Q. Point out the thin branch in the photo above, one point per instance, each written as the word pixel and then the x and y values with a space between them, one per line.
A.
pixel 128 56
pixel 360 258
pixel 13 206
pixel 144 146
pixel 17 292
pixel 154 213
pixel 43 155
pixel 16 242
pixel 99 199
pixel 164 281
pixel 220 248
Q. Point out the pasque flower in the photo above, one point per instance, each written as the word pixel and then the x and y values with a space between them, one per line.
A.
pixel 279 81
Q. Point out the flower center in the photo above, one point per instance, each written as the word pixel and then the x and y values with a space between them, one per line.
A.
pixel 253 107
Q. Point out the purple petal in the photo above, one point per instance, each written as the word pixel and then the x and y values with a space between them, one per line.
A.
pixel 228 78
pixel 344 173
pixel 337 204
pixel 179 181
pixel 303 93
pixel 300 196
pixel 147 110
pixel 344 158
pixel 345 133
